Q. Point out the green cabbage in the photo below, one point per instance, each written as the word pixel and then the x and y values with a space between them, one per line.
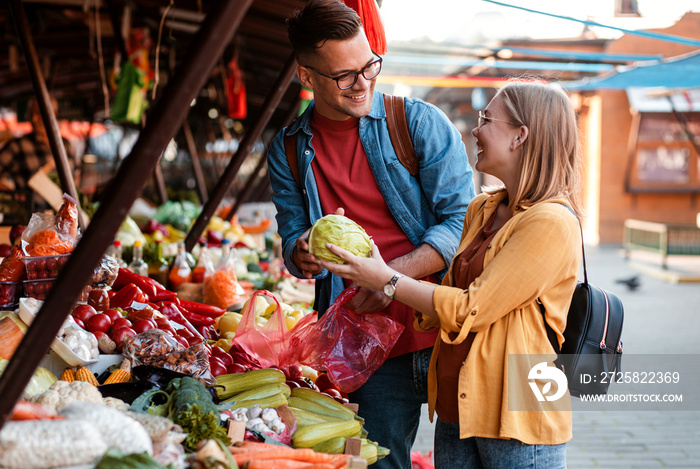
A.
pixel 341 231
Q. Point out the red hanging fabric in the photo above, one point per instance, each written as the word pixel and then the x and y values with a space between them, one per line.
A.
pixel 372 22
pixel 235 92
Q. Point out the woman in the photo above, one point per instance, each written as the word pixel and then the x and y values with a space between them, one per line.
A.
pixel 520 247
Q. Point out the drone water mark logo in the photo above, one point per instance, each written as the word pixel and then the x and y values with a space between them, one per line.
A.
pixel 551 374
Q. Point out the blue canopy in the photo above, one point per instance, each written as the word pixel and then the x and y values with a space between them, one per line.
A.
pixel 682 72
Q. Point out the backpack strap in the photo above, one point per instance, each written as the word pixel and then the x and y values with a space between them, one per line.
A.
pixel 290 148
pixel 551 335
pixel 398 132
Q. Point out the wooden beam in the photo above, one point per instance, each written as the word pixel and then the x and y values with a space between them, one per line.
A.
pixel 165 118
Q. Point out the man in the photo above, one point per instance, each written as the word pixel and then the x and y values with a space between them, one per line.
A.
pixel 22 157
pixel 347 164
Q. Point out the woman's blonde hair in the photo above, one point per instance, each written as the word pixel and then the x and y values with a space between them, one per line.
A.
pixel 551 160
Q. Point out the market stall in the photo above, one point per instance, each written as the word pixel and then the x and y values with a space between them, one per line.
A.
pixel 102 365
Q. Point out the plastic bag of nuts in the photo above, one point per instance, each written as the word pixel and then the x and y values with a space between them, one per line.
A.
pixel 158 348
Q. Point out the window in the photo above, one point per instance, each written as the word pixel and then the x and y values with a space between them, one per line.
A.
pixel 626 8
pixel 663 157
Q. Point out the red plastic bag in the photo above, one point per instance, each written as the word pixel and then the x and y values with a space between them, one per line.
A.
pixel 350 346
pixel 272 344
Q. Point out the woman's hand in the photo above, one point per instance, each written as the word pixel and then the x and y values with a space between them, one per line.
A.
pixel 369 272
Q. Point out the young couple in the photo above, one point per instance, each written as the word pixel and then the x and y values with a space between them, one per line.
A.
pixel 467 288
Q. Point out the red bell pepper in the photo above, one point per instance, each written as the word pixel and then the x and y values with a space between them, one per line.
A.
pixel 146 284
pixel 126 296
pixel 202 309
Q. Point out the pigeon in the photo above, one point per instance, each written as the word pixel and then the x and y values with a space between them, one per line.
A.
pixel 632 283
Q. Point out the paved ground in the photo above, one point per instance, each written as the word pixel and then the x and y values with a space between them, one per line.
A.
pixel 660 318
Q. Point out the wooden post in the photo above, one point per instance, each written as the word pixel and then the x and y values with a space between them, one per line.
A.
pixel 216 31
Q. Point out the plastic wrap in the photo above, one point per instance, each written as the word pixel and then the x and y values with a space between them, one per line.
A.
pixel 106 271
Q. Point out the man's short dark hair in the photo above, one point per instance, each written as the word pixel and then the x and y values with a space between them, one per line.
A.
pixel 319 21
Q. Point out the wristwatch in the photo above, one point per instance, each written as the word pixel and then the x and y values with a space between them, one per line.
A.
pixel 390 287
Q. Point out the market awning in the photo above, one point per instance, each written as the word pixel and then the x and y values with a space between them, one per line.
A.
pixel 681 72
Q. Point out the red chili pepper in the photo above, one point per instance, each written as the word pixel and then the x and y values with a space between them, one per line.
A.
pixel 195 319
pixel 164 295
pixel 171 311
pixel 203 309
pixel 126 296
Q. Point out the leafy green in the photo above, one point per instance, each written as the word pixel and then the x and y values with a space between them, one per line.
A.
pixel 200 425
pixel 115 459
pixel 341 231
pixel 154 402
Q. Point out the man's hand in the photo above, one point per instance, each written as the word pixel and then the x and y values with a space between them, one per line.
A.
pixel 368 300
pixel 303 258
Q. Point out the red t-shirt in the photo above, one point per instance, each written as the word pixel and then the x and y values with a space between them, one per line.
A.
pixel 344 179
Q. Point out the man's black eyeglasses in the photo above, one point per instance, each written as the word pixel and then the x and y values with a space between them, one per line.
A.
pixel 348 80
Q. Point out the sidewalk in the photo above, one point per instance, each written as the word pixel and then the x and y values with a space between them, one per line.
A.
pixel 661 317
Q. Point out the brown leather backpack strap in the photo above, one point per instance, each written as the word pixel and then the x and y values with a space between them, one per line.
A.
pixel 399 134
pixel 290 148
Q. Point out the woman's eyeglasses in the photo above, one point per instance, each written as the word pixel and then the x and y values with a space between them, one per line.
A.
pixel 484 118
pixel 348 80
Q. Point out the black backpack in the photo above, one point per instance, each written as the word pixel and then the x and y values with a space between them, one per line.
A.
pixel 591 354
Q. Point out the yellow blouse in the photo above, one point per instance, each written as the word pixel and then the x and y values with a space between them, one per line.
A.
pixel 536 254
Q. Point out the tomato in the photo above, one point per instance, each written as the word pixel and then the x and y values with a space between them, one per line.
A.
pixel 236 368
pixel 84 312
pixel 99 334
pixel 324 382
pixel 120 334
pixel 98 322
pixel 143 325
pixel 217 367
pixel 334 393
pixel 79 322
pixel 292 384
pixel 222 355
pixel 294 372
pixel 113 314
pixel 119 323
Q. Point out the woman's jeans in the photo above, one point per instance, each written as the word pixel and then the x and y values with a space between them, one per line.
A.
pixel 390 402
pixel 491 453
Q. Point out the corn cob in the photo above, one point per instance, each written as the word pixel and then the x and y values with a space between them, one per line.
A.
pixel 311 435
pixel 275 400
pixel 120 375
pixel 304 417
pixel 83 374
pixel 68 375
pixel 261 391
pixel 233 383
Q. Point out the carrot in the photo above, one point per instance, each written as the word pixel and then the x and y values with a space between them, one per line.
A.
pixel 284 464
pixel 24 410
pixel 258 452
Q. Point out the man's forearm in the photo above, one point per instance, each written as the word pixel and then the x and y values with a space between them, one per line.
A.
pixel 422 261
